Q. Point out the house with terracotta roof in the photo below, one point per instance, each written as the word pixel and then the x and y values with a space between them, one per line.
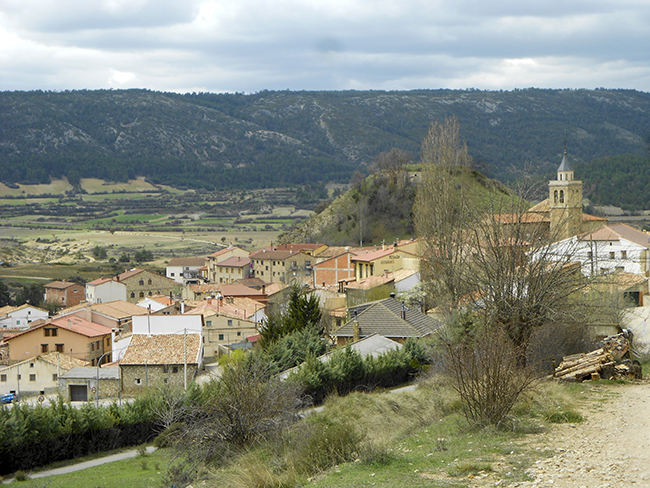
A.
pixel 215 258
pixel 156 360
pixel 71 335
pixel 226 324
pixel 141 283
pixel 232 269
pixel 116 315
pixel 282 266
pixel 213 290
pixel 21 317
pixel 389 318
pixel 64 293
pixel 104 290
pixel 184 270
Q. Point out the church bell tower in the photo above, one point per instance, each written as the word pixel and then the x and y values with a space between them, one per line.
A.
pixel 565 202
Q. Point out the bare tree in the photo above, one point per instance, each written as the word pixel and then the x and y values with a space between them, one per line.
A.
pixel 444 211
pixel 393 163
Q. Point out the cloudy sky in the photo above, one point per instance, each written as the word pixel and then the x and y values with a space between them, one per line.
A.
pixel 252 45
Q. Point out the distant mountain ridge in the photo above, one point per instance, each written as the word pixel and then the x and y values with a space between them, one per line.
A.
pixel 292 138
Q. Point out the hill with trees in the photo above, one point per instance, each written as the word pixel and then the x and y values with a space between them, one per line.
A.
pixel 290 138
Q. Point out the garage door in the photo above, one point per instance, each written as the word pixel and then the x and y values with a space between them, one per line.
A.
pixel 78 393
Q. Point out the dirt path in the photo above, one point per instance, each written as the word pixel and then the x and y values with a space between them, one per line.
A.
pixel 610 449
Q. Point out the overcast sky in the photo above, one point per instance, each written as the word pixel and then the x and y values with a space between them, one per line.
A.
pixel 252 45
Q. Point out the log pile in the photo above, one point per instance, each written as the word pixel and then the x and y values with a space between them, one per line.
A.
pixel 608 361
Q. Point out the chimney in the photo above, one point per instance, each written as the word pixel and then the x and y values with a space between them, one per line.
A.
pixel 263 289
pixel 221 300
pixel 383 245
pixel 209 301
pixel 89 313
pixel 356 330
pixel 403 314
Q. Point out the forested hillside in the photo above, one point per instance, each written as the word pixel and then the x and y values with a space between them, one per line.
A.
pixel 289 138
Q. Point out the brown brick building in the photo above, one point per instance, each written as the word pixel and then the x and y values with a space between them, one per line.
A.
pixel 64 293
pixel 141 283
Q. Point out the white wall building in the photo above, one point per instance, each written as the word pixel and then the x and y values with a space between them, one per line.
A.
pixel 103 290
pixel 21 317
pixel 613 247
pixel 183 269
pixel 167 324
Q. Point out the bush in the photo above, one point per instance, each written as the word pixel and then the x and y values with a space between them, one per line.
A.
pixel 320 443
pixel 487 373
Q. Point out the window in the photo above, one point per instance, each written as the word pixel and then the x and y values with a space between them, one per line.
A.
pixel 141 294
pixel 132 294
pixel 44 348
pixel 623 254
pixel 171 274
pixel 32 377
pixel 3 377
pixel 49 332
pixel 590 254
pixel 174 369
pixel 141 282
pixel 20 377
pixel 108 341
pixel 208 323
pixel 612 255
pixel 229 321
pixel 92 346
pixel 59 348
pixel 138 381
pixel 561 196
pixel 55 377
pixel 221 337
pixel 149 282
pixel 31 365
pixel 238 332
pixel 150 293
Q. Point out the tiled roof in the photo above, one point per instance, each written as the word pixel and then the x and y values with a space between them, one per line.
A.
pixel 235 262
pixel 104 372
pixel 273 288
pixel 371 282
pixel 227 290
pixel 129 274
pixel 7 309
pixel 372 256
pixel 251 282
pixel 73 324
pixel 385 318
pixel 224 251
pixel 279 255
pixel 614 232
pixel 62 285
pixel 100 281
pixel 162 349
pixel 192 262
pixel 65 361
pixel 117 309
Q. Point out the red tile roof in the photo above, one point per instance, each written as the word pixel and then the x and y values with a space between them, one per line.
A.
pixel 62 285
pixel 235 262
pixel 73 324
pixel 162 349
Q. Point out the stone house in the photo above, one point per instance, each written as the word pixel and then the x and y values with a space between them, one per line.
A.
pixel 64 293
pixel 171 359
pixel 284 266
pixel 82 384
pixel 141 283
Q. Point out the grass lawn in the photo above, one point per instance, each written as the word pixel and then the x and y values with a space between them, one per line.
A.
pixel 137 472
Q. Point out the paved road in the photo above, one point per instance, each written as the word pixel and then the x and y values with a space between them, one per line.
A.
pixel 87 464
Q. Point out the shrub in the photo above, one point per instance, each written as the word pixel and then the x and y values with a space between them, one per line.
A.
pixel 320 443
pixel 487 373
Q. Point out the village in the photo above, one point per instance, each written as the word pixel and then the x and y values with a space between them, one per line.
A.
pixel 117 336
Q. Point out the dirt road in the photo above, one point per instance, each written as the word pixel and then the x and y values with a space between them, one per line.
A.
pixel 610 449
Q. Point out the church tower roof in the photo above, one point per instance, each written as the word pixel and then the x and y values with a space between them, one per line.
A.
pixel 564 165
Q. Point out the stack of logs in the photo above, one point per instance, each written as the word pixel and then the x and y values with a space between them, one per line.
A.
pixel 605 362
